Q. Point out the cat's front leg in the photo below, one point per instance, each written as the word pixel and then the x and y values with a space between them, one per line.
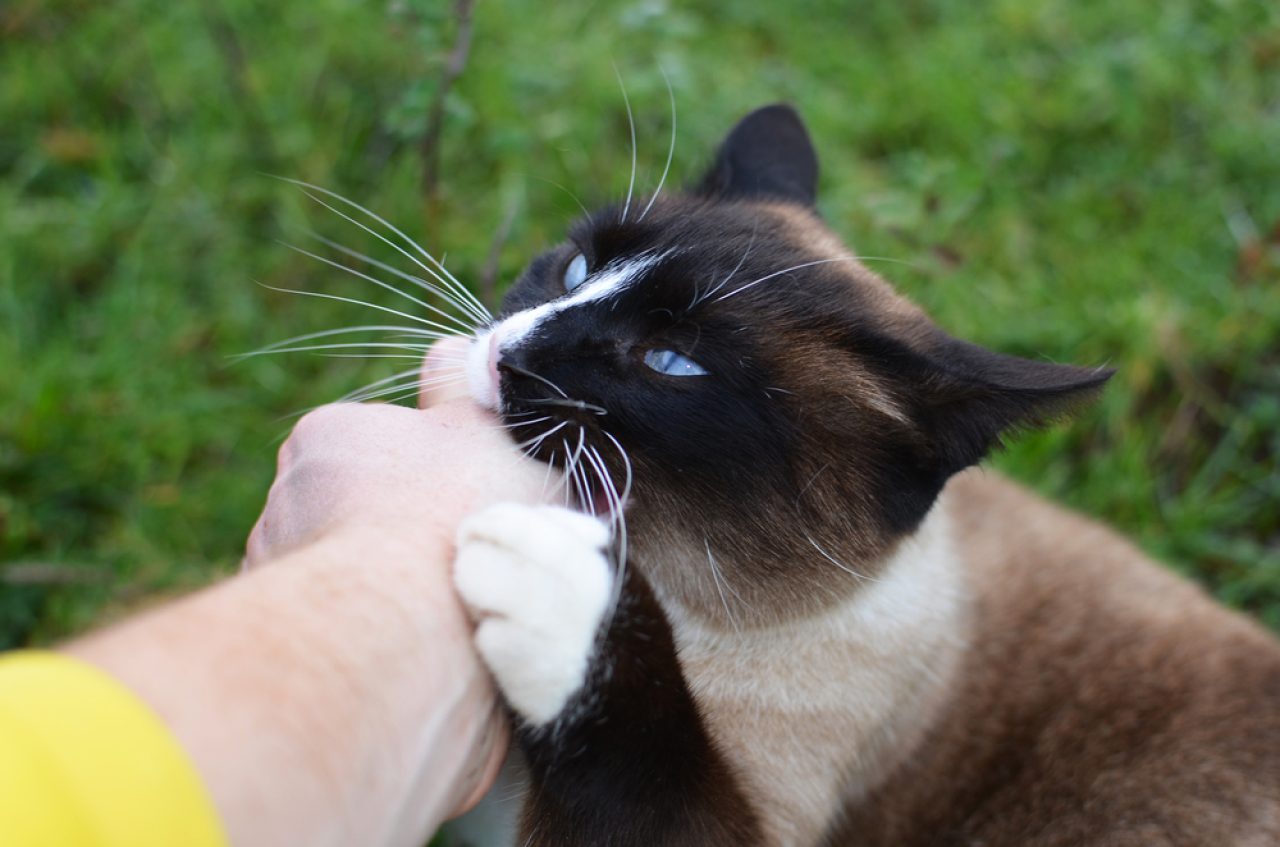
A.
pixel 617 751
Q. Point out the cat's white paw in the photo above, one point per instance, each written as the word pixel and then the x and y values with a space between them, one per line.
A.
pixel 537 582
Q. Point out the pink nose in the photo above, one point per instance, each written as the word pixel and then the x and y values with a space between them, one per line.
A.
pixel 443 372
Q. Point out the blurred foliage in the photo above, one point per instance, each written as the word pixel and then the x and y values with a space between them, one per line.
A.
pixel 1085 181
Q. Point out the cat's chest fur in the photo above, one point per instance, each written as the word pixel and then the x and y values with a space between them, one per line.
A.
pixel 816 710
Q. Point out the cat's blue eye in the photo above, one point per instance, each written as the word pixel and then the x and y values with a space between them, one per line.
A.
pixel 671 363
pixel 576 273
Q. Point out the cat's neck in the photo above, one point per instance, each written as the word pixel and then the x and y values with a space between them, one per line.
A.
pixel 821 708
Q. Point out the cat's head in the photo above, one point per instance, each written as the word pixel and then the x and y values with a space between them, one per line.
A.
pixel 785 415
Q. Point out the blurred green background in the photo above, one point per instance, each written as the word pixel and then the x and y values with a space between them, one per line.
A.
pixel 1080 180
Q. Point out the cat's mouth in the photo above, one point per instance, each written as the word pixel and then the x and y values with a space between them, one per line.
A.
pixel 596 502
pixel 545 423
pixel 562 445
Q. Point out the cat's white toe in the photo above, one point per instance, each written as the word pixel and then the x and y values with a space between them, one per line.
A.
pixel 538 583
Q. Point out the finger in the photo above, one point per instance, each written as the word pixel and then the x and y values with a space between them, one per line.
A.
pixel 444 375
pixel 255 549
pixel 486 761
pixel 490 466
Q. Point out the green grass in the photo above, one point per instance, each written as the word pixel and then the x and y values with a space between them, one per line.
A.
pixel 1094 182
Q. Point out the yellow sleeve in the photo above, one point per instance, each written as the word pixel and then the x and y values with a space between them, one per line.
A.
pixel 85 763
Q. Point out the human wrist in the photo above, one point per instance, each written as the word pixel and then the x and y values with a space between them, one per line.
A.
pixel 443 737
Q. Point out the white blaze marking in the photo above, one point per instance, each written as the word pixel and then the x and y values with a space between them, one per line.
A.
pixel 482 380
pixel 596 287
pixel 482 356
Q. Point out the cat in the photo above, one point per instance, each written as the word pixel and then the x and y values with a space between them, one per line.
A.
pixel 822 624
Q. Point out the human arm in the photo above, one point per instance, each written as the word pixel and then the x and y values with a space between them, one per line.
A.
pixel 334 697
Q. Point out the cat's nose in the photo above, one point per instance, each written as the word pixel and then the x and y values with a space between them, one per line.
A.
pixel 516 364
pixel 514 361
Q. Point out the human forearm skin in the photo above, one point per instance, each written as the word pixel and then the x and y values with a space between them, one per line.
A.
pixel 331 698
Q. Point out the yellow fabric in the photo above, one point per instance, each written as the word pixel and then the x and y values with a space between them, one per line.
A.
pixel 85 763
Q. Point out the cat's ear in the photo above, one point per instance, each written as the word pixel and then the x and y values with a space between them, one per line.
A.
pixel 972 396
pixel 767 156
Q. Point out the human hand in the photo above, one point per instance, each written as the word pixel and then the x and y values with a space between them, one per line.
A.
pixel 401 480
pixel 410 474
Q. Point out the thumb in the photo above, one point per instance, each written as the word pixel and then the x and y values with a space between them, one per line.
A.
pixel 444 373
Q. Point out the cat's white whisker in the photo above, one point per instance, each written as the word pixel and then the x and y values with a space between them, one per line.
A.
pixel 403 389
pixel 412 372
pixel 456 358
pixel 568 456
pixel 396 393
pixel 542 379
pixel 530 447
pixel 412 331
pixel 461 290
pixel 401 332
pixel 398 390
pixel 440 263
pixel 890 260
pixel 347 330
pixel 567 403
pixel 394 399
pixel 582 443
pixel 414 357
pixel 842 566
pixel 350 345
pixel 371 391
pixel 546 477
pixel 626 462
pixel 459 325
pixel 585 211
pixel 768 277
pixel 617 520
pixel 442 293
pixel 537 442
pixel 755 230
pixel 542 419
pixel 451 284
pixel 387 309
pixel 631 122
pixel 406 395
pixel 524 445
pixel 716 577
pixel 609 490
pixel 671 149
pixel 407 378
pixel 574 470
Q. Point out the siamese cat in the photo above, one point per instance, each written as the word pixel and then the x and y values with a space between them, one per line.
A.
pixel 785 608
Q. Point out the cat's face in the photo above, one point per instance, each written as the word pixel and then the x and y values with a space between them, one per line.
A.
pixel 784 417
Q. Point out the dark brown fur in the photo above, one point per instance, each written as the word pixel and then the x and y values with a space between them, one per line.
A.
pixel 1102 700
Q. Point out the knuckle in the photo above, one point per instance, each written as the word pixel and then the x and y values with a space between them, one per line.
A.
pixel 323 418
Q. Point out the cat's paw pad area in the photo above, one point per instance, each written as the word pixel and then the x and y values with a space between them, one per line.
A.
pixel 537 582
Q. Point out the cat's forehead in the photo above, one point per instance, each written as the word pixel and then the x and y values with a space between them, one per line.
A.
pixel 755 251
pixel 689 222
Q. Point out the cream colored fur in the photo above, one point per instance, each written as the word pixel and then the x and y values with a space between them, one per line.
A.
pixel 813 712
